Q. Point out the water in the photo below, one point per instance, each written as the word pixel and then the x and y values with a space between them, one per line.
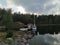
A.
pixel 46 39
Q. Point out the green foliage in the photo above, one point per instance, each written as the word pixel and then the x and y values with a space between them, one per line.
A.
pixel 9 35
pixel 44 23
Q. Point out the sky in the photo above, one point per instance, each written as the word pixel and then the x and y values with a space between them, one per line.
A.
pixel 32 6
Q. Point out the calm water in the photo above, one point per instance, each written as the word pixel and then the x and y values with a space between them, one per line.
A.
pixel 46 39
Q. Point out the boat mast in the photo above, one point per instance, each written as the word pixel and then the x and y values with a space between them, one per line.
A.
pixel 34 26
pixel 34 20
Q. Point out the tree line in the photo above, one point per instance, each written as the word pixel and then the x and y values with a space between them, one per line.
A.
pixel 45 23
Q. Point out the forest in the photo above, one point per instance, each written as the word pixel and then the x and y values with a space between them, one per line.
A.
pixel 45 23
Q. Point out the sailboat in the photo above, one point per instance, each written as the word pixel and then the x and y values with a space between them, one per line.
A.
pixel 34 28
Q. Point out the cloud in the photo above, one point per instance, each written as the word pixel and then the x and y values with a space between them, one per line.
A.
pixel 15 8
pixel 10 4
pixel 21 9
pixel 3 3
pixel 1 6
pixel 32 6
pixel 40 6
pixel 52 7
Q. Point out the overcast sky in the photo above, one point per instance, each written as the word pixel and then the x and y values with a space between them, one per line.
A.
pixel 32 6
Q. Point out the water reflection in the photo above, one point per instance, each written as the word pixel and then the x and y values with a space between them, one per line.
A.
pixel 46 39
